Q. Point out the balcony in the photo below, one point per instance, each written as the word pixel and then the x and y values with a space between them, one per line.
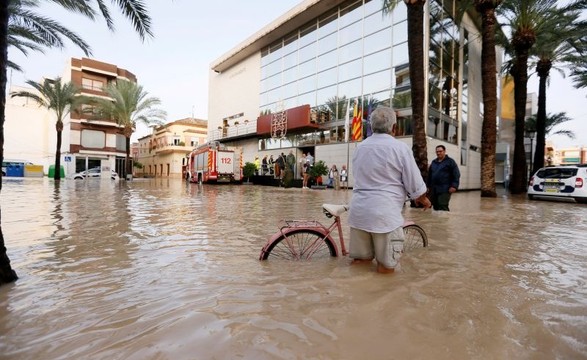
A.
pixel 234 132
pixel 167 149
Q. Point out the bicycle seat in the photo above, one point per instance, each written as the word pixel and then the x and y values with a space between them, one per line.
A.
pixel 334 210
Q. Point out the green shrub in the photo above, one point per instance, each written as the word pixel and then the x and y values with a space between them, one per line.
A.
pixel 249 170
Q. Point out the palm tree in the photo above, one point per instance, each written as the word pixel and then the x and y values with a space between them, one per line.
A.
pixel 417 78
pixel 130 104
pixel 552 49
pixel 135 10
pixel 551 121
pixel 486 9
pixel 526 19
pixel 60 98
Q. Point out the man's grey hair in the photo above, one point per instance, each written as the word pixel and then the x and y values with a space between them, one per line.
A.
pixel 382 120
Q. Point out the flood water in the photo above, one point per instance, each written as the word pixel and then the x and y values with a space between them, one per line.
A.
pixel 160 269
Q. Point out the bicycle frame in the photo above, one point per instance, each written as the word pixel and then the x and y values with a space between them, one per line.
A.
pixel 313 225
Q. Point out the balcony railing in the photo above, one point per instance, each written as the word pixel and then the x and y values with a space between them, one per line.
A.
pixel 233 131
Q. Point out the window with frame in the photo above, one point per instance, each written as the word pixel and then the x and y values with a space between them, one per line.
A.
pixel 93 139
pixel 92 84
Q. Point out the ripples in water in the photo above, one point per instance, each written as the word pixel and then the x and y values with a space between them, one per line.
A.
pixel 161 269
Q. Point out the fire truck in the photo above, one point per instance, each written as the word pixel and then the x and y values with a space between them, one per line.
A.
pixel 214 162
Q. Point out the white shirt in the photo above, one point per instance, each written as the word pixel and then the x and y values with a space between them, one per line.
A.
pixel 384 173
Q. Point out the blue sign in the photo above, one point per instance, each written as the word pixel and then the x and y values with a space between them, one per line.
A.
pixel 67 158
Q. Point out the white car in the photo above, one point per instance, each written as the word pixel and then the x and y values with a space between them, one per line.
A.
pixel 95 172
pixel 562 181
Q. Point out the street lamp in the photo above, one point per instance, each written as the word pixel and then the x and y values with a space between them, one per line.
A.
pixel 530 135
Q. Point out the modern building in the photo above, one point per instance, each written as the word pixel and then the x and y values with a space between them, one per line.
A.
pixel 163 152
pixel 297 82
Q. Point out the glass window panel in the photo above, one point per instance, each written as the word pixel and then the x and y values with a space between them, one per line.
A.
pixel 274 95
pixel 327 43
pixel 308 52
pixel 327 77
pixel 405 125
pixel 383 98
pixel 376 22
pixel 273 81
pixel 435 97
pixel 350 89
pixel 273 68
pixel 323 95
pixel 373 6
pixel 376 62
pixel 377 82
pixel 264 57
pixel 307 84
pixel 307 68
pixel 327 23
pixel 290 60
pixel 327 61
pixel 350 70
pixel 289 90
pixel 400 32
pixel 350 33
pixel 350 13
pixel 93 139
pixel 350 51
pixel 307 98
pixel 276 49
pixel 120 142
pixel 264 99
pixel 290 42
pixel 290 74
pixel 308 34
pixel 400 13
pixel 378 41
pixel 400 54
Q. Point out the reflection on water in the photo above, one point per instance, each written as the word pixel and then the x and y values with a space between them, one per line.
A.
pixel 161 269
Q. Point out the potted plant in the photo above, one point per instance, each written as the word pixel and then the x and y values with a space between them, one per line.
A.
pixel 249 170
pixel 316 172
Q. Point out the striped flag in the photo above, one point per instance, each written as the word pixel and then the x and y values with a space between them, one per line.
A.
pixel 357 128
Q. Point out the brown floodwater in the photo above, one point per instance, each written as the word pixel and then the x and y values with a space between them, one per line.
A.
pixel 160 269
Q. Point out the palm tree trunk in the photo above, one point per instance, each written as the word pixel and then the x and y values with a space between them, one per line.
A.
pixel 417 81
pixel 59 128
pixel 7 275
pixel 489 88
pixel 543 69
pixel 520 75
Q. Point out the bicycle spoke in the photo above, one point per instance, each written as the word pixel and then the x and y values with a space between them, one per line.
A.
pixel 414 238
pixel 301 245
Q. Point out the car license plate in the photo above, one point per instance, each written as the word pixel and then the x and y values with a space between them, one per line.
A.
pixel 551 187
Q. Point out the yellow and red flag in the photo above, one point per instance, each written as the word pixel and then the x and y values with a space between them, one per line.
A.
pixel 357 125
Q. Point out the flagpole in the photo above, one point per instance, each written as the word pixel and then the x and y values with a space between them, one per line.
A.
pixel 346 135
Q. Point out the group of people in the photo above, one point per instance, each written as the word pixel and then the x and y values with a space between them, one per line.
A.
pixel 385 174
pixel 337 179
pixel 276 167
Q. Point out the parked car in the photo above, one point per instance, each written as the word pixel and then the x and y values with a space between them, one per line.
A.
pixel 562 181
pixel 95 172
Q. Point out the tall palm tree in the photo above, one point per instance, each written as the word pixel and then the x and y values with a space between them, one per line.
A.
pixel 130 104
pixel 486 9
pixel 60 98
pixel 417 78
pixel 553 48
pixel 525 19
pixel 134 10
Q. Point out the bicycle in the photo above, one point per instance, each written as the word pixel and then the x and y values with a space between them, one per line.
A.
pixel 309 239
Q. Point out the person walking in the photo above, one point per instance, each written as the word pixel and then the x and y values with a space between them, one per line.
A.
pixel 443 179
pixel 385 174
pixel 332 174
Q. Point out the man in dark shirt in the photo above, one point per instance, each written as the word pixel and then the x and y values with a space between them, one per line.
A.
pixel 443 179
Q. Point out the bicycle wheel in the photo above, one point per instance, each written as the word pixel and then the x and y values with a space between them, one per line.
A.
pixel 301 245
pixel 414 238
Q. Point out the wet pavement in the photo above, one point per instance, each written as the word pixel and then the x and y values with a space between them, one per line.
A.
pixel 160 269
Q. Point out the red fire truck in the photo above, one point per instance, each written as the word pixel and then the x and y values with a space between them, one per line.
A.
pixel 214 162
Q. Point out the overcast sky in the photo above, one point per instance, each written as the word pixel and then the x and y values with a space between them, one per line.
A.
pixel 190 35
